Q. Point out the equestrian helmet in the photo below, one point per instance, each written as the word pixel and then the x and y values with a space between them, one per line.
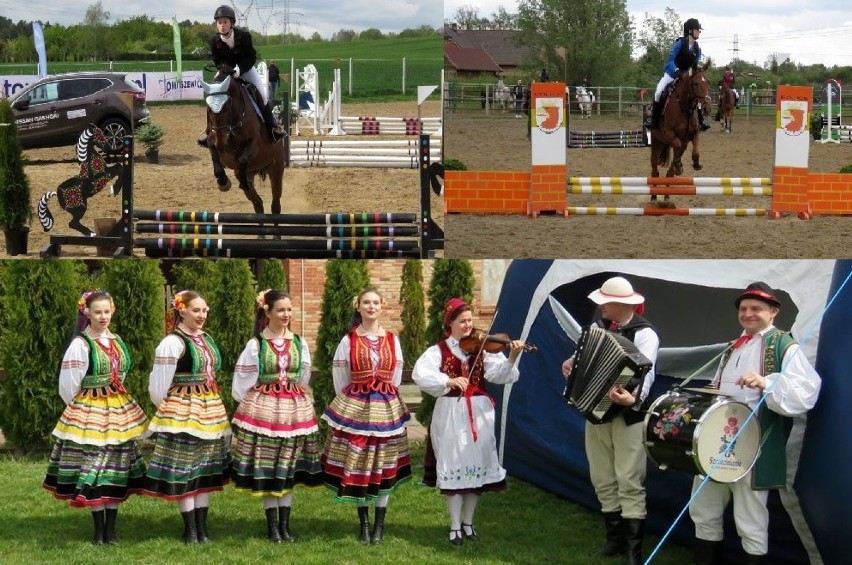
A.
pixel 690 25
pixel 225 12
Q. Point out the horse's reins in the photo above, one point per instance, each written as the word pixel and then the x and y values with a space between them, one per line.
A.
pixel 232 125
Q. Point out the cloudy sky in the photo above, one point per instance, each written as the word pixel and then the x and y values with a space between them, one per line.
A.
pixel 811 32
pixel 306 16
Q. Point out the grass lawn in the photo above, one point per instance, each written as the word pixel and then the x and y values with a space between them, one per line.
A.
pixel 522 525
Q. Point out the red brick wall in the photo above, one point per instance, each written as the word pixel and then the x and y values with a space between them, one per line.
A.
pixel 307 280
pixel 790 189
pixel 547 189
pixel 830 193
pixel 487 192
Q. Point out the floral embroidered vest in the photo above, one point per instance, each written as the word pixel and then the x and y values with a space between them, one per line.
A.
pixel 365 377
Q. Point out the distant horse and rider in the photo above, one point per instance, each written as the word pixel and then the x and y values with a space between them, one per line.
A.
pixel 725 109
pixel 502 96
pixel 585 100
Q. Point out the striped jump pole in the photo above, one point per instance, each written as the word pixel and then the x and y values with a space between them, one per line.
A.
pixel 672 186
pixel 396 154
pixel 650 211
pixel 595 139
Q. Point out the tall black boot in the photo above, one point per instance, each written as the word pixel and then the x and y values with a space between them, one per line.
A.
pixel 109 530
pixel 379 525
pixel 275 130
pixel 656 114
pixel 98 518
pixel 702 124
pixel 755 559
pixel 634 530
pixel 364 519
pixel 708 552
pixel 284 524
pixel 201 524
pixel 616 543
pixel 190 535
pixel 272 525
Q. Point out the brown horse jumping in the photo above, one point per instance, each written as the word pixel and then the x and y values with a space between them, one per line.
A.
pixel 725 112
pixel 679 124
pixel 239 140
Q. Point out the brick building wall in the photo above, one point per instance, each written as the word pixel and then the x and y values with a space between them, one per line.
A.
pixel 306 280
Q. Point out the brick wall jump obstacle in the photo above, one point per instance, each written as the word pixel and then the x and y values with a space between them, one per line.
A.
pixel 545 187
pixel 307 236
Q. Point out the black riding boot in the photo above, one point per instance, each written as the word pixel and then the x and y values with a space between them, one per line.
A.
pixel 378 525
pixel 98 518
pixel 708 552
pixel 275 130
pixel 201 524
pixel 755 559
pixel 656 114
pixel 364 519
pixel 109 530
pixel 272 525
pixel 616 543
pixel 634 529
pixel 704 126
pixel 284 524
pixel 190 535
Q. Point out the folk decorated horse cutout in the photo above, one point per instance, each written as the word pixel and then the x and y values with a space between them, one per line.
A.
pixel 238 139
pixel 679 124
pixel 97 168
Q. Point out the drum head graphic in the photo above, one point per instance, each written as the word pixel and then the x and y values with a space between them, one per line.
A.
pixel 717 429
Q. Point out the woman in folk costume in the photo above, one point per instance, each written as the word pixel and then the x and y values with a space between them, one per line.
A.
pixel 367 453
pixel 191 432
pixel 277 437
pixel 95 462
pixel 462 432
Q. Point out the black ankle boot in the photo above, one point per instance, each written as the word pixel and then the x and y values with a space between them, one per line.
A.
pixel 272 532
pixel 201 524
pixel 284 524
pixel 379 525
pixel 109 529
pixel 364 519
pixel 708 552
pixel 98 518
pixel 634 531
pixel 190 535
pixel 616 542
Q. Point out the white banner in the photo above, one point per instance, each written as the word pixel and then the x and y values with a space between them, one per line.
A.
pixel 158 86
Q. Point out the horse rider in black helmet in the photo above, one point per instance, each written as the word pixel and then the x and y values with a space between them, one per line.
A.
pixel 684 55
pixel 233 47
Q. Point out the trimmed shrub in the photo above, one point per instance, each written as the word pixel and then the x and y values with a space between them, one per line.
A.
pixel 412 299
pixel 271 275
pixel 39 311
pixel 15 207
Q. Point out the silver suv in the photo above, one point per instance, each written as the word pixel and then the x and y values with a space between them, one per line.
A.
pixel 52 111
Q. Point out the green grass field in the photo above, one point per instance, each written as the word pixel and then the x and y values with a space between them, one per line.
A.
pixel 377 66
pixel 522 525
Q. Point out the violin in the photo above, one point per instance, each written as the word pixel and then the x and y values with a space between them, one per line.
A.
pixel 490 343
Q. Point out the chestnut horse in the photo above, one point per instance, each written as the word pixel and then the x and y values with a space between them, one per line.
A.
pixel 238 139
pixel 725 111
pixel 679 124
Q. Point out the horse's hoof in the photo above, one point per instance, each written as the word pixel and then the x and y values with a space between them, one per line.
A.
pixel 667 204
pixel 697 166
pixel 224 186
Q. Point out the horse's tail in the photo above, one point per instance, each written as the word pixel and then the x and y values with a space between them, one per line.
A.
pixel 664 156
pixel 45 218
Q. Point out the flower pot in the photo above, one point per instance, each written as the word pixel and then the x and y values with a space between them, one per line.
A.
pixel 152 156
pixel 16 240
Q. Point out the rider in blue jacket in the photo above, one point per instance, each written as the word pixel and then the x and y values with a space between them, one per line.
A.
pixel 684 55
pixel 233 47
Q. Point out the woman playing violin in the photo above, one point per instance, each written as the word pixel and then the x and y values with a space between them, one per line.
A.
pixel 462 429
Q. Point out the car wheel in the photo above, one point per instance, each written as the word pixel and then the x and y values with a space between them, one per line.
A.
pixel 115 129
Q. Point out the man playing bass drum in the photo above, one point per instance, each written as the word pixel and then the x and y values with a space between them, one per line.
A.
pixel 617 459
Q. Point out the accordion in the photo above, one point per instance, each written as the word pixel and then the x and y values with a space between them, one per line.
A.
pixel 603 360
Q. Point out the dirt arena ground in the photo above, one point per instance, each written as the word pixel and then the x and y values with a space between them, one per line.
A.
pixel 500 143
pixel 183 180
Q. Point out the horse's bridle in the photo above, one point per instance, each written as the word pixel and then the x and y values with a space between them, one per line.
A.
pixel 233 124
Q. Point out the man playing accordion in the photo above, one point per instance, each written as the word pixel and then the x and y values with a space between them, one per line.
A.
pixel 617 459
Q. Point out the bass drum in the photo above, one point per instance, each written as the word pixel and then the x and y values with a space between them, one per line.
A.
pixel 690 431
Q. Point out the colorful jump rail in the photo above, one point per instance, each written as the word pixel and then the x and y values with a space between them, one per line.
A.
pixel 361 153
pixel 373 125
pixel 672 186
pixel 608 139
pixel 545 188
pixel 363 235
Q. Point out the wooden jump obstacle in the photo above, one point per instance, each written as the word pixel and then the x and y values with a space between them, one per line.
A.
pixel 384 153
pixel 608 139
pixel 366 235
pixel 372 125
pixel 546 186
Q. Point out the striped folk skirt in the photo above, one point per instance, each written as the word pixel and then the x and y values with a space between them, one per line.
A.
pixel 277 442
pixel 192 440
pixel 367 452
pixel 95 458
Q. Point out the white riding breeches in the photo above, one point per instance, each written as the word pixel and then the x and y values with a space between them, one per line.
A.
pixel 254 78
pixel 661 86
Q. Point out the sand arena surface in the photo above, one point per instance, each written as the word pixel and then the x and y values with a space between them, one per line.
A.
pixel 183 180
pixel 500 143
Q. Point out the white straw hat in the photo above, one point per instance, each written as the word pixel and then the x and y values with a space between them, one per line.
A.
pixel 616 289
